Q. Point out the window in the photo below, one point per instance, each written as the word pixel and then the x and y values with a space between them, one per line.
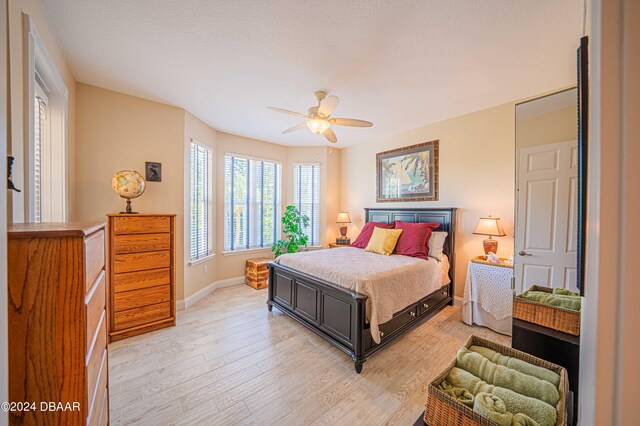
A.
pixel 45 141
pixel 306 197
pixel 40 143
pixel 201 201
pixel 252 203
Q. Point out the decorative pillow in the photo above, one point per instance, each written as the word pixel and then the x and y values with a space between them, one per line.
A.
pixel 436 244
pixel 365 234
pixel 383 241
pixel 414 240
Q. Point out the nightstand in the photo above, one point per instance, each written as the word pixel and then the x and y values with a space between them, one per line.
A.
pixel 488 297
pixel 334 245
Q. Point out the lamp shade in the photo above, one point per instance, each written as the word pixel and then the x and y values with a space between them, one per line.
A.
pixel 489 226
pixel 343 217
pixel 317 125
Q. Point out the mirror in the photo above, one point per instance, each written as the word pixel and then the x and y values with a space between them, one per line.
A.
pixel 546 226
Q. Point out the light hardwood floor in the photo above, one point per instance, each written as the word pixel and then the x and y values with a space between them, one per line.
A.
pixel 230 361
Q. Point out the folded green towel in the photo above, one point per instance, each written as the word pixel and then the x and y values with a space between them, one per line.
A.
pixel 507 378
pixel 459 394
pixel 558 300
pixel 518 365
pixel 493 408
pixel 564 292
pixel 539 411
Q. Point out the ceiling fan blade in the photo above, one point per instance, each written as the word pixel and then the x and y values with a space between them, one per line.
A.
pixel 352 122
pixel 294 128
pixel 330 135
pixel 286 111
pixel 328 105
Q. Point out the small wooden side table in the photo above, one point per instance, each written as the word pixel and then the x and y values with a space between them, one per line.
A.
pixel 257 273
pixel 334 245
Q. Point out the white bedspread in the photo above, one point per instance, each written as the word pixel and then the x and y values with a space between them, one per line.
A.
pixel 390 282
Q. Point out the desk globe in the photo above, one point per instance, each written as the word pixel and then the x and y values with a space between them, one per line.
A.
pixel 128 184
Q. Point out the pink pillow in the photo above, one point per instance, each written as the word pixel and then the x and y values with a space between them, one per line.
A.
pixel 414 240
pixel 367 231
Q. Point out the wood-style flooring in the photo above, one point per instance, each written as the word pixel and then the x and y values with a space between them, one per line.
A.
pixel 230 361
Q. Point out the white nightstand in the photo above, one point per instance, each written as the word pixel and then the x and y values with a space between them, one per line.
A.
pixel 488 297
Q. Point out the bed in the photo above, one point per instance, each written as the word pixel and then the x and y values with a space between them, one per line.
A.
pixel 339 314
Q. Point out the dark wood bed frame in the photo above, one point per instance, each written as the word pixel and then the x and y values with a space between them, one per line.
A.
pixel 338 315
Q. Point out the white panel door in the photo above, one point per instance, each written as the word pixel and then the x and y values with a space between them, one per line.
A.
pixel 545 241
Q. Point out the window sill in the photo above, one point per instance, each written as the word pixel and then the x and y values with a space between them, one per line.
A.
pixel 312 248
pixel 245 251
pixel 201 260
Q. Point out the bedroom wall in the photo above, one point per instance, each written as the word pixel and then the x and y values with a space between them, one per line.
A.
pixel 117 131
pixel 15 147
pixel 476 176
pixel 552 127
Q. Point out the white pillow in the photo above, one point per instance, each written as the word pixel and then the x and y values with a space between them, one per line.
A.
pixel 436 245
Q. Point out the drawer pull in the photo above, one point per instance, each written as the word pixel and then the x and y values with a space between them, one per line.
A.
pixel 382 334
pixel 413 314
pixel 444 293
pixel 425 305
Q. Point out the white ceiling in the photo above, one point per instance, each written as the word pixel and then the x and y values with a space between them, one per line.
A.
pixel 398 63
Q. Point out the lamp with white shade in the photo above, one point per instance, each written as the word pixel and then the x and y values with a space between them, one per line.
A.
pixel 490 226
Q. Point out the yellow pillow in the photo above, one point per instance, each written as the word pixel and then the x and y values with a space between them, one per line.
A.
pixel 383 241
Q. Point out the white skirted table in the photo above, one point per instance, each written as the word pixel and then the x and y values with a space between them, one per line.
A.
pixel 488 297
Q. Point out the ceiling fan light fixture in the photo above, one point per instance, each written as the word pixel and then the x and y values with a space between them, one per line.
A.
pixel 318 125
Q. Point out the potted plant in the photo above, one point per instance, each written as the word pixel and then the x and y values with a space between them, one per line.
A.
pixel 292 225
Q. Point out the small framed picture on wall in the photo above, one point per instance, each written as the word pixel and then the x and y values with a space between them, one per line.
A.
pixel 153 171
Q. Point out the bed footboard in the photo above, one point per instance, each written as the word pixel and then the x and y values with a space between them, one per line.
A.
pixel 338 315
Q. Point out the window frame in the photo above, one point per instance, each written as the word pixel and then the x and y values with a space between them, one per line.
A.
pixel 312 244
pixel 41 69
pixel 210 204
pixel 277 211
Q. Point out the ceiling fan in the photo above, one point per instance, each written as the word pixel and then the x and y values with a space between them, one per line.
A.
pixel 318 118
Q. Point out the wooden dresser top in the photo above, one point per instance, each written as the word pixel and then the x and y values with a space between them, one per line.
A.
pixel 53 229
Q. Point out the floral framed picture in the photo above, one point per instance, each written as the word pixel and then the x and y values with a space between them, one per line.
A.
pixel 408 174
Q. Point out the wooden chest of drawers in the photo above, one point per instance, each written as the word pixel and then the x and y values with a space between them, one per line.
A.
pixel 58 322
pixel 142 272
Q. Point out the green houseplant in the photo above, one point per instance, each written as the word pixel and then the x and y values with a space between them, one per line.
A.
pixel 292 225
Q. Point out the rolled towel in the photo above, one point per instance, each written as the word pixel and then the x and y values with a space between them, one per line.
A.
pixel 541 412
pixel 494 408
pixel 459 394
pixel 518 365
pixel 564 292
pixel 505 377
pixel 558 300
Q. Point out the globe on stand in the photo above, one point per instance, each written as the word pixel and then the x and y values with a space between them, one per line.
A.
pixel 128 184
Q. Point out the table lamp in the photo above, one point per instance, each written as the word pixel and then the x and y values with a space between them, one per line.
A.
pixel 343 218
pixel 490 226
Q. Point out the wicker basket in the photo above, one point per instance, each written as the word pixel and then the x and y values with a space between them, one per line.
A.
pixel 442 410
pixel 560 319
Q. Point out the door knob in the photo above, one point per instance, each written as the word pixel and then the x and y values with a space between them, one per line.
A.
pixel 524 253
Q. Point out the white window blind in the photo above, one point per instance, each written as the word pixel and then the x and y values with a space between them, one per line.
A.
pixel 201 201
pixel 252 203
pixel 306 197
pixel 39 140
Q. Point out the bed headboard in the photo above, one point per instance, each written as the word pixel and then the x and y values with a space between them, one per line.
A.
pixel 446 217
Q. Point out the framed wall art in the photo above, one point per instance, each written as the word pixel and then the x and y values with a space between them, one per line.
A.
pixel 408 174
pixel 153 171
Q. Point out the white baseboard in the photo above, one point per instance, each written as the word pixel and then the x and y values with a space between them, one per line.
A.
pixel 457 301
pixel 190 300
